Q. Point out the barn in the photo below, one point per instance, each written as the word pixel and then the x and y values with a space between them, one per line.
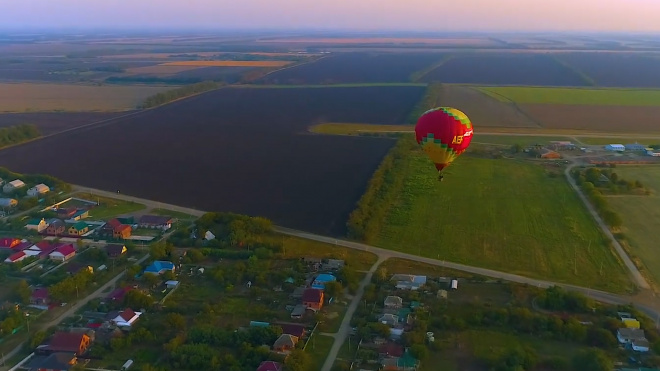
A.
pixel 615 147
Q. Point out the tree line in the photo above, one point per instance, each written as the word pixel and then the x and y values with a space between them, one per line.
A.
pixel 182 92
pixel 385 185
pixel 586 182
pixel 18 134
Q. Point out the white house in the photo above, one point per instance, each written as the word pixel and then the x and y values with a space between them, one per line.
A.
pixel 615 147
pixel 641 345
pixel 37 190
pixel 126 318
pixel 629 335
pixel 13 185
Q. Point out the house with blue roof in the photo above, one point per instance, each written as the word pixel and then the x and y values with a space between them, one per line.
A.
pixel 322 279
pixel 159 267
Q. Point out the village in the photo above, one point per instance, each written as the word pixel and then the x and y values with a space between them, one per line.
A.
pixel 285 309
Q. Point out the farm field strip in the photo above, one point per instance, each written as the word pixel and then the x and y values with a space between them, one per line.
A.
pixel 574 96
pixel 311 183
pixel 312 86
pixel 24 97
pixel 160 69
pixel 545 232
pixel 382 40
pixel 641 216
pixel 229 63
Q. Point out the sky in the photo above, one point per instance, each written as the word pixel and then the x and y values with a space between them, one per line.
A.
pixel 420 15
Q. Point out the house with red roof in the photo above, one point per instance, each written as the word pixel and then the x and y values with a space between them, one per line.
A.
pixel 313 299
pixel 44 248
pixel 270 366
pixel 124 318
pixel 63 253
pixel 391 349
pixel 294 329
pixel 16 257
pixel 70 342
pixel 118 294
pixel 115 229
pixel 40 296
pixel 9 243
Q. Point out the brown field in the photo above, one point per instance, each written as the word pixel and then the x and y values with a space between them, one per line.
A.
pixel 159 69
pixel 612 119
pixel 381 40
pixel 483 109
pixel 157 55
pixel 69 97
pixel 228 63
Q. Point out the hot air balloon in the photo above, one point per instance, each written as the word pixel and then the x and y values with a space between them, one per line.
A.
pixel 443 133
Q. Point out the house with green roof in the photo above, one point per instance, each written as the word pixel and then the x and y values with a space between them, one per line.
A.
pixel 404 363
pixel 38 225
pixel 78 229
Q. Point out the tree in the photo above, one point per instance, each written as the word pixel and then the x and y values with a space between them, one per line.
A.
pixel 37 339
pixel 612 218
pixel 22 292
pixel 136 299
pixel 592 360
pixel 419 351
pixel 332 289
pixel 175 321
pixel 600 337
pixel 151 278
pixel 298 360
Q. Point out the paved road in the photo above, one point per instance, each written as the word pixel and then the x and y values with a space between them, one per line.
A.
pixel 72 309
pixel 345 328
pixel 637 277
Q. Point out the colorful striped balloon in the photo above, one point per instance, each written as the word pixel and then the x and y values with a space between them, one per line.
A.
pixel 444 133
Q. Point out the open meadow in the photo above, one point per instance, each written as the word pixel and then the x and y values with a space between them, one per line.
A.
pixel 577 96
pixel 641 217
pixel 244 150
pixel 503 214
pixel 64 97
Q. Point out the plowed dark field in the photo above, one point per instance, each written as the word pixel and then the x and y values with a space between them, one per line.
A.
pixel 241 150
pixel 356 68
pixel 505 69
pixel 617 70
pixel 55 122
pixel 482 109
pixel 617 119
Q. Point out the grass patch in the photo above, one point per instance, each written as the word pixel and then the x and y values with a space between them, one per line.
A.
pixel 318 349
pixel 588 96
pixel 295 247
pixel 109 207
pixel 621 140
pixel 356 85
pixel 27 97
pixel 357 129
pixel 515 139
pixel 173 214
pixel 331 325
pixel 502 214
pixel 641 216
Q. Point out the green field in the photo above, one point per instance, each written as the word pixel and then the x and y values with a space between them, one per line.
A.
pixel 641 216
pixel 502 214
pixel 617 97
pixel 523 140
pixel 109 207
pixel 356 85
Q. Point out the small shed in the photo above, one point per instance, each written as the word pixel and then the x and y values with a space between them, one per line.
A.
pixel 171 284
pixel 615 147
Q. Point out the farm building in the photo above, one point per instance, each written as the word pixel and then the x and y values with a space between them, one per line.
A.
pixel 63 253
pixel 548 154
pixel 155 221
pixel 635 147
pixel 615 147
pixel 159 267
pixel 124 318
pixel 13 185
pixel 651 152
pixel 560 144
pixel 313 299
pixel 321 280
pixel 39 189
pixel 37 225
pixel 8 202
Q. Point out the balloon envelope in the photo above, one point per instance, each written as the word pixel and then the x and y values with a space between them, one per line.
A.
pixel 444 133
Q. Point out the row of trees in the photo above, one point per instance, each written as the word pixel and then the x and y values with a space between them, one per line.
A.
pixel 18 134
pixel 174 94
pixel 70 287
pixel 614 183
pixel 596 197
pixel 385 185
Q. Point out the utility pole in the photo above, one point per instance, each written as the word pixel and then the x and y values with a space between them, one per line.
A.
pixel 27 318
